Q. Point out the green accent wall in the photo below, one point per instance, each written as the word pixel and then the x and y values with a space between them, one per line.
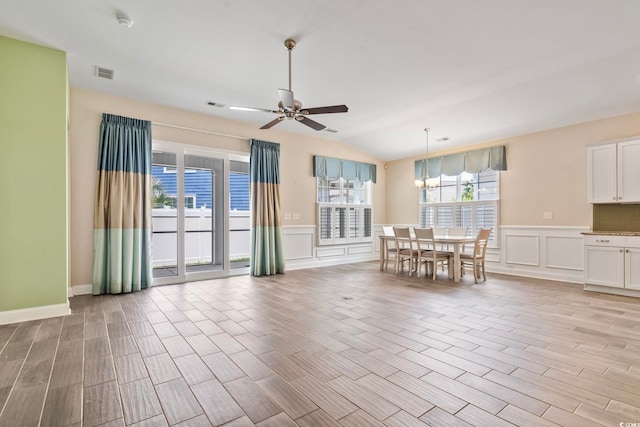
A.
pixel 33 175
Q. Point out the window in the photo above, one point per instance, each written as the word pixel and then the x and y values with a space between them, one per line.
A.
pixel 466 200
pixel 345 212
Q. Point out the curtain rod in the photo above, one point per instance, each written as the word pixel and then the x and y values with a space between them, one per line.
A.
pixel 200 130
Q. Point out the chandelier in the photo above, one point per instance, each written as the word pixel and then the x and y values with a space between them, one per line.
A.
pixel 426 182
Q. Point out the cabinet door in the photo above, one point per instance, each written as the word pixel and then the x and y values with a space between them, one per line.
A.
pixel 632 268
pixel 629 171
pixel 604 266
pixel 602 174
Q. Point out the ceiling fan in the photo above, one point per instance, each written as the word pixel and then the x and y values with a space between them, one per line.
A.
pixel 290 108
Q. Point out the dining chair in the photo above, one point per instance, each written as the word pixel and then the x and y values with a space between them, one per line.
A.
pixel 476 259
pixel 390 245
pixel 427 252
pixel 440 231
pixel 404 248
pixel 458 231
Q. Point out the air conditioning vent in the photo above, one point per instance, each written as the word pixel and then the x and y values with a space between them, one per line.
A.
pixel 104 73
pixel 331 130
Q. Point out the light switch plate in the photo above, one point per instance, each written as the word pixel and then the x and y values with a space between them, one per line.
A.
pixel 296 216
pixel 287 217
pixel 547 215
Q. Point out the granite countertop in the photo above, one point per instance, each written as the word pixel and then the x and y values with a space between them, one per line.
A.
pixel 611 233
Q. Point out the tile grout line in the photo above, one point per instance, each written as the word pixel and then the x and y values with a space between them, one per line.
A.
pixel 46 392
pixel 13 386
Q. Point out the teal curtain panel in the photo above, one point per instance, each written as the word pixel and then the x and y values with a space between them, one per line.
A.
pixel 122 216
pixel 266 238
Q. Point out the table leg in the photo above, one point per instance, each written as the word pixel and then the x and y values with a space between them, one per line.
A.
pixel 456 262
pixel 383 248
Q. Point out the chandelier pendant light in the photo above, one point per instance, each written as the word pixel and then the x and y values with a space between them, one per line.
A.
pixel 426 182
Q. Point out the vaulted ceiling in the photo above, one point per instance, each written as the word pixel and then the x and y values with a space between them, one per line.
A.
pixel 470 70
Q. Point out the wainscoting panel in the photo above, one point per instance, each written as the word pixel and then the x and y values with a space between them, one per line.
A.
pixel 522 249
pixel 564 252
pixel 302 251
pixel 536 251
pixel 298 243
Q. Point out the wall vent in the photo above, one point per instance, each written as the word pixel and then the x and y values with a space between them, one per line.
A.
pixel 105 73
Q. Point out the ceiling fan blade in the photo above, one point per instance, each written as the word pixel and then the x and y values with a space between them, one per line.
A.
pixel 241 108
pixel 312 124
pixel 272 123
pixel 286 96
pixel 325 110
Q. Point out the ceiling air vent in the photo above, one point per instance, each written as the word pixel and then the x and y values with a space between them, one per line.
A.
pixel 105 73
pixel 331 130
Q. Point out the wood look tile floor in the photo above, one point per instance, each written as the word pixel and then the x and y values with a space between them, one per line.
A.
pixel 336 346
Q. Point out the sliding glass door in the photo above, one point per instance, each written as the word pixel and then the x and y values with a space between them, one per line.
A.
pixel 199 214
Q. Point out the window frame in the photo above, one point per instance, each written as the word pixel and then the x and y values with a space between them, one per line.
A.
pixel 343 229
pixel 438 208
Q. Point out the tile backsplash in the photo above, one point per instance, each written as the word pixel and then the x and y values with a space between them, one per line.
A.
pixel 613 217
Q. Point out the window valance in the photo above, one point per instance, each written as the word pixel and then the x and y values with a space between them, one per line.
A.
pixel 471 161
pixel 347 169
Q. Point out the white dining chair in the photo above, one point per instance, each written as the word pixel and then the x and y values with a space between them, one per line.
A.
pixel 476 259
pixel 390 245
pixel 427 252
pixel 404 248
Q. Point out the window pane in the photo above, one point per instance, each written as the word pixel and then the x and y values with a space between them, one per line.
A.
pixel 448 188
pixel 488 185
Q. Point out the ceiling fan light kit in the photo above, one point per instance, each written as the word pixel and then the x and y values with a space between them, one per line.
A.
pixel 290 108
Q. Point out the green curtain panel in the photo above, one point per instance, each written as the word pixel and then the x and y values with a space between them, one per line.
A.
pixel 266 239
pixel 347 169
pixel 122 218
pixel 471 161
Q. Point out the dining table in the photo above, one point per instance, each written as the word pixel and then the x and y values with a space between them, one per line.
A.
pixel 455 241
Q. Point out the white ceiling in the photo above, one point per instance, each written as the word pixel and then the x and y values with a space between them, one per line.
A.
pixel 470 70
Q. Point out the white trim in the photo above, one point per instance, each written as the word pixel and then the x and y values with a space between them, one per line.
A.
pixel 34 313
pixel 545 227
pixel 82 289
pixel 613 291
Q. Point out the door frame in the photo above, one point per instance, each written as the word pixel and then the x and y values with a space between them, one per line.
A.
pixel 225 155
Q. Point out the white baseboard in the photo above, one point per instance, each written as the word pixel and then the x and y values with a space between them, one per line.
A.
pixel 535 273
pixel 34 313
pixel 82 289
pixel 613 291
pixel 326 262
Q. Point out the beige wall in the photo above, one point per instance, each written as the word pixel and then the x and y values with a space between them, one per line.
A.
pixel 296 151
pixel 547 171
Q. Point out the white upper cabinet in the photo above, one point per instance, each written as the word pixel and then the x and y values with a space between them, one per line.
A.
pixel 629 171
pixel 613 172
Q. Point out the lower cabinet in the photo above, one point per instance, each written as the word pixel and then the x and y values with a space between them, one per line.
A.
pixel 612 261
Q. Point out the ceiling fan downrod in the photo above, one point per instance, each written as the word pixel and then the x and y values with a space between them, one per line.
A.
pixel 289 44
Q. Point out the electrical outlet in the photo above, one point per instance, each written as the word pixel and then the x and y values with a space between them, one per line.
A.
pixel 287 217
pixel 296 216
pixel 547 215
